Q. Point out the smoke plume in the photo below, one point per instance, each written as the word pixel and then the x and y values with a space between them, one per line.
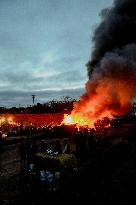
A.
pixel 111 87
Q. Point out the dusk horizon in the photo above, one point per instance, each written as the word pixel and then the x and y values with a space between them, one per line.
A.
pixel 24 98
pixel 44 46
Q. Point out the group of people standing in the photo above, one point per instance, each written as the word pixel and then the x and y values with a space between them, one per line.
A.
pixel 56 148
pixel 28 148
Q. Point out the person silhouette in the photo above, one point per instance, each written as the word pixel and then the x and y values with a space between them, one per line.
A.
pixel 57 147
pixel 43 147
pixel 23 155
pixel 66 149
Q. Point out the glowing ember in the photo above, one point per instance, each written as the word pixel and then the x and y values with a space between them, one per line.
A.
pixel 25 120
pixel 77 119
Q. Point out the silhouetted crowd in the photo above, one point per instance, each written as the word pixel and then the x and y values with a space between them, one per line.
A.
pixel 28 149
pixel 84 141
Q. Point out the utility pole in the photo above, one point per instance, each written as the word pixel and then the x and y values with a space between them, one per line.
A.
pixel 33 97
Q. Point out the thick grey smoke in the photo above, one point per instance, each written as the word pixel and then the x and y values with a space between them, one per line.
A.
pixel 116 30
pixel 112 68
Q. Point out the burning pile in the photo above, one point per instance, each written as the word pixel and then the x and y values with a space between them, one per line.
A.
pixel 78 119
pixel 111 87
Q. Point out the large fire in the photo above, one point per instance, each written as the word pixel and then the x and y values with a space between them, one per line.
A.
pixel 111 86
pixel 78 120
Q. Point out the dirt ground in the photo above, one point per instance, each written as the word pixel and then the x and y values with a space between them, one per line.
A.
pixel 10 161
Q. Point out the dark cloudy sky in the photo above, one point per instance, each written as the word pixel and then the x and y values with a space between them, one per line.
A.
pixel 44 46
